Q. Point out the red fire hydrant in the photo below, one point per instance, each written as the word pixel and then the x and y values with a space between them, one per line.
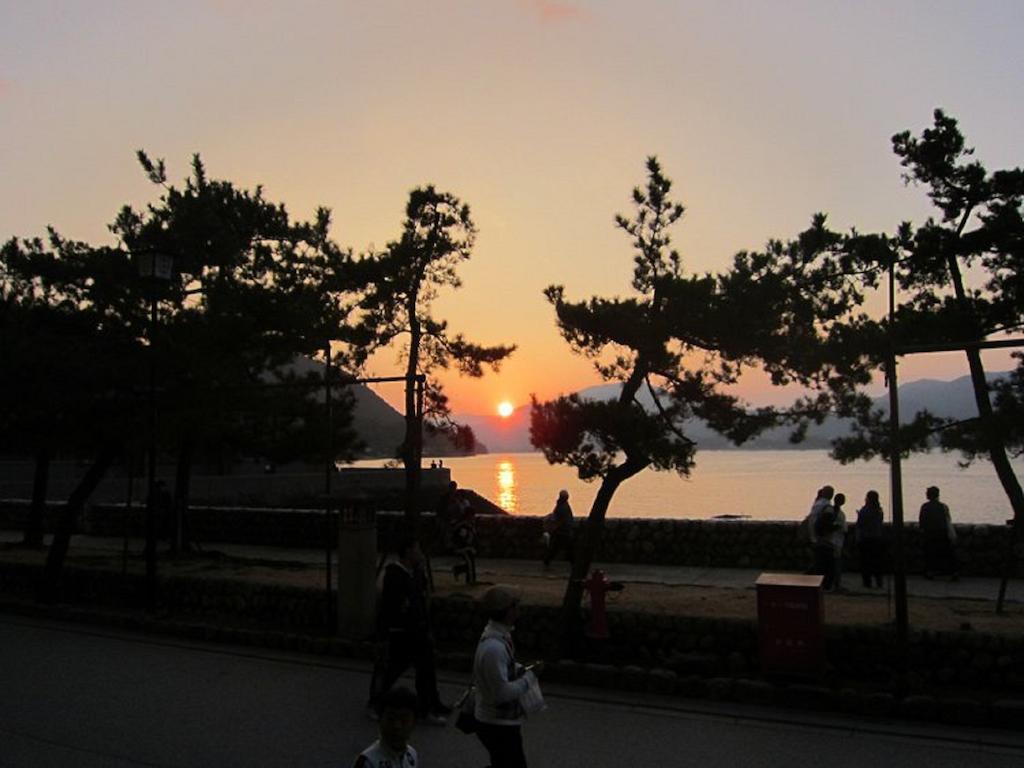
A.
pixel 598 585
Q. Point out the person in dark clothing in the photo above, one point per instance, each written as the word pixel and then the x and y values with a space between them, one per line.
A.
pixel 823 524
pixel 824 550
pixel 558 527
pixel 939 536
pixel 404 635
pixel 870 544
pixel 464 541
pixel 838 540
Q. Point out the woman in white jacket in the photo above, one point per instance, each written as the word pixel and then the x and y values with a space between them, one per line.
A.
pixel 500 681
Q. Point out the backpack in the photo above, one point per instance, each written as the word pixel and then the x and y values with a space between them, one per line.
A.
pixel 803 530
pixel 824 523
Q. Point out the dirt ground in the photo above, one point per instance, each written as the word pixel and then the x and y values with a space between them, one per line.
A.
pixel 876 608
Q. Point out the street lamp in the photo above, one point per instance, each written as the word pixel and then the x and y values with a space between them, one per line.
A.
pixel 154 266
pixel 155 270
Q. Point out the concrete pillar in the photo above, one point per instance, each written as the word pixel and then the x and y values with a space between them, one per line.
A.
pixel 357 570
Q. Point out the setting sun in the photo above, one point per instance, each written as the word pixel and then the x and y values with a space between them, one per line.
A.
pixel 505 409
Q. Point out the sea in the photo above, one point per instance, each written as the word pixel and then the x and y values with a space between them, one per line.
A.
pixel 760 485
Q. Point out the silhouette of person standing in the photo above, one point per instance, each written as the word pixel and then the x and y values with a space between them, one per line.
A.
pixel 558 526
pixel 870 544
pixel 838 540
pixel 939 536
pixel 821 526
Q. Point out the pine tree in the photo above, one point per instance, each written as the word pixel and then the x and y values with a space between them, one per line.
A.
pixel 402 282
pixel 686 340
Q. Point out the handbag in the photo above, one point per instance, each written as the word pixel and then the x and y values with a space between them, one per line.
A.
pixel 465 707
pixel 532 700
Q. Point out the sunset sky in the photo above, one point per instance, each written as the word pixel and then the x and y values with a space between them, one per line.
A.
pixel 537 113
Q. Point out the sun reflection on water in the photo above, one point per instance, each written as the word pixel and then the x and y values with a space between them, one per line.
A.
pixel 507 490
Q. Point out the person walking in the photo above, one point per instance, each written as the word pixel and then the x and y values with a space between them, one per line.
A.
pixel 501 682
pixel 838 538
pixel 404 634
pixel 939 536
pixel 870 541
pixel 464 541
pixel 558 526
pixel 397 720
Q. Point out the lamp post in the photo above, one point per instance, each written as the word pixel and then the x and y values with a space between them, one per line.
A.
pixel 896 477
pixel 329 469
pixel 155 270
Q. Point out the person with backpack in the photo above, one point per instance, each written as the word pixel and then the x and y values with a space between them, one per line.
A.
pixel 805 529
pixel 822 525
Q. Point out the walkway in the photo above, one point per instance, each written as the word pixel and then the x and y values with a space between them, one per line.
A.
pixel 497 570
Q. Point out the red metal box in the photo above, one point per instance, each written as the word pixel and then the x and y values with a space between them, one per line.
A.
pixel 791 623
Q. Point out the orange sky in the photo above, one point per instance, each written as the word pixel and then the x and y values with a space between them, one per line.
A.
pixel 539 114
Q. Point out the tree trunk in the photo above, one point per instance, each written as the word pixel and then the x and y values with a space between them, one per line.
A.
pixel 584 555
pixel 182 480
pixel 36 513
pixel 49 590
pixel 412 448
pixel 585 551
pixel 996 448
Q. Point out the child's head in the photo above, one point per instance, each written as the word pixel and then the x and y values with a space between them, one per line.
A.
pixel 397 717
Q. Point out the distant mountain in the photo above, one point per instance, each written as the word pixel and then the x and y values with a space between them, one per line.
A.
pixel 953 399
pixel 502 435
pixel 381 427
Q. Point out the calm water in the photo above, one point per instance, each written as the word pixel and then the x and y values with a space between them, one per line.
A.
pixel 765 485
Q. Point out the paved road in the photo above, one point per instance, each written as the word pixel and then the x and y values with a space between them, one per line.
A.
pixel 98 699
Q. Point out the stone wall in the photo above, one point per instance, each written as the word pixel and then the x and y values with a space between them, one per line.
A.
pixel 287 487
pixel 763 545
